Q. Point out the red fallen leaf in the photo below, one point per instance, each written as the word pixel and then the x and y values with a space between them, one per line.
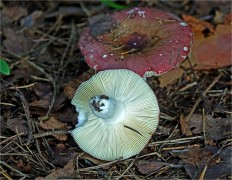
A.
pixel 228 18
pixel 197 25
pixel 212 52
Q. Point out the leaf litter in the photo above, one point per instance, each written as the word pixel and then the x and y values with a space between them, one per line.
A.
pixel 194 135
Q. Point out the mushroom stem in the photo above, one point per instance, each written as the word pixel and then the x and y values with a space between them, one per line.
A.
pixel 106 108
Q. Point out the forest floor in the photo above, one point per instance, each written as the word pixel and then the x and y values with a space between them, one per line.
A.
pixel 39 43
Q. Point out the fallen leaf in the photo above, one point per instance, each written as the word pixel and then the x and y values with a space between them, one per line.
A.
pixel 215 128
pixel 196 155
pixel 198 25
pixel 17 125
pixel 62 155
pixel 52 124
pixel 170 76
pixel 72 86
pixel 147 167
pixel 15 12
pixel 228 18
pixel 68 172
pixel 185 129
pixel 16 43
pixel 218 167
pixel 212 52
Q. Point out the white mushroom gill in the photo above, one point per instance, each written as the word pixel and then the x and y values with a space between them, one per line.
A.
pixel 118 113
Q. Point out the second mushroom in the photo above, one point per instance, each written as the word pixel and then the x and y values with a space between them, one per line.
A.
pixel 145 40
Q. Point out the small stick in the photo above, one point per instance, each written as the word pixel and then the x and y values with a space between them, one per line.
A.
pixel 182 140
pixel 22 87
pixel 50 78
pixel 58 132
pixel 203 124
pixel 204 93
pixel 27 114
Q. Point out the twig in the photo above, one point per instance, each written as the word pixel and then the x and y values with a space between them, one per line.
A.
pixel 58 132
pixel 203 124
pixel 131 164
pixel 13 169
pixel 27 114
pixel 179 141
pixel 199 99
pixel 50 78
pixel 6 104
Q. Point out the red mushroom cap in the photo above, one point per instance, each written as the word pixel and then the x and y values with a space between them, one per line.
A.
pixel 144 40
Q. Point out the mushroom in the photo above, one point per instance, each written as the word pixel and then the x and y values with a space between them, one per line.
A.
pixel 117 114
pixel 144 40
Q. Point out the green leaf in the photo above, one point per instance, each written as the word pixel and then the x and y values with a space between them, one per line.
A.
pixel 113 4
pixel 4 67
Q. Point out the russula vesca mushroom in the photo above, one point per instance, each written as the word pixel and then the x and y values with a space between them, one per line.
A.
pixel 117 114
pixel 144 40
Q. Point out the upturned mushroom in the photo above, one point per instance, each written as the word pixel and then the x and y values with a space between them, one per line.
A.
pixel 144 40
pixel 117 114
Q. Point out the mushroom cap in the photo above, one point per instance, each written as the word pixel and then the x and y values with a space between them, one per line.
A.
pixel 129 135
pixel 144 40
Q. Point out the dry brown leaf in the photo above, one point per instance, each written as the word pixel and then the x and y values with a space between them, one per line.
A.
pixel 218 166
pixel 16 43
pixel 68 172
pixel 147 167
pixel 11 14
pixel 185 129
pixel 72 86
pixel 17 125
pixel 52 124
pixel 215 128
pixel 170 76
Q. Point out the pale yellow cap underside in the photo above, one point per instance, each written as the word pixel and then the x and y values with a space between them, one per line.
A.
pixel 129 136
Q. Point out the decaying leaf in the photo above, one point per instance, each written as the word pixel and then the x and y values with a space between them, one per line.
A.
pixel 147 167
pixel 185 127
pixel 72 86
pixel 215 128
pixel 197 159
pixel 198 25
pixel 17 125
pixel 212 52
pixel 16 43
pixel 67 172
pixel 52 124
pixel 170 76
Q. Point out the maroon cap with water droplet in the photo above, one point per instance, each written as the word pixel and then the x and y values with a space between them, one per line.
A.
pixel 144 40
